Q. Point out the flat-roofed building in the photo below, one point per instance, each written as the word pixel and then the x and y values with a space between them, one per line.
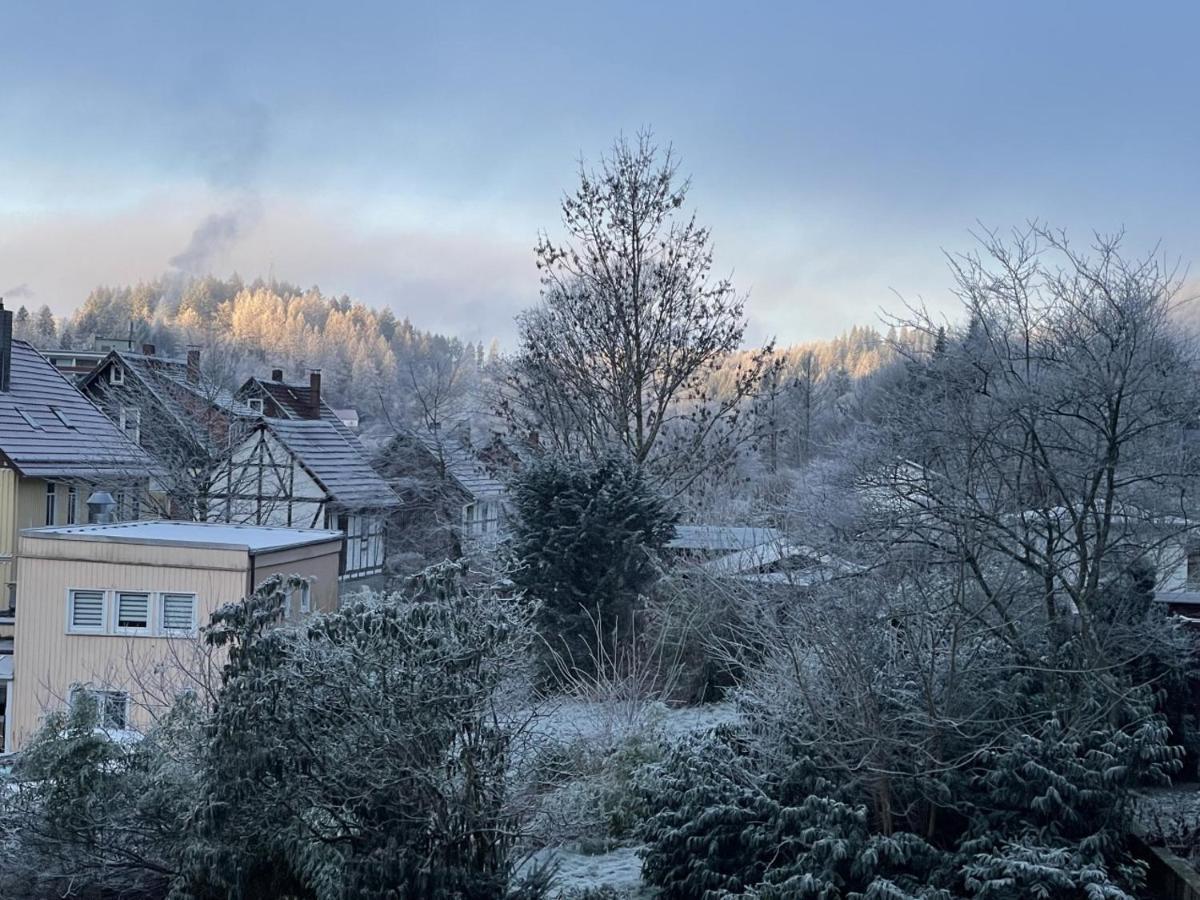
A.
pixel 116 609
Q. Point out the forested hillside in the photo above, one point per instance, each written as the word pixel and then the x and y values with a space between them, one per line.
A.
pixel 387 367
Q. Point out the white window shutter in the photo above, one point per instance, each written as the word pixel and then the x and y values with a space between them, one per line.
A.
pixel 87 610
pixel 178 612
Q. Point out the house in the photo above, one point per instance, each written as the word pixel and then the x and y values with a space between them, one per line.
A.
pixel 309 469
pixel 77 364
pixel 183 418
pixel 269 453
pixel 57 449
pixel 759 555
pixel 306 474
pixel 115 609
pixel 452 499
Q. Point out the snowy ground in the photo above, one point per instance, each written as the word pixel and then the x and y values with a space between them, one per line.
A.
pixel 620 870
pixel 576 720
pixel 604 727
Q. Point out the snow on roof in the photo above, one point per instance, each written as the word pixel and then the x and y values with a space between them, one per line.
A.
pixel 728 538
pixel 252 538
pixel 337 463
pixel 461 464
pixel 49 429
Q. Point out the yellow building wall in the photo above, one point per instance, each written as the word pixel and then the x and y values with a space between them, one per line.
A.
pixel 47 660
pixel 320 563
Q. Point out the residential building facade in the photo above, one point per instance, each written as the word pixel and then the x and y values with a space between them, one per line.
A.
pixel 116 609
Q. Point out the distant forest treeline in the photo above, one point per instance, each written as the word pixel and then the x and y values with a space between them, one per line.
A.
pixel 371 359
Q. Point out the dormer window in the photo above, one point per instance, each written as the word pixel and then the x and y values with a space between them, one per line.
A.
pixel 255 404
pixel 116 375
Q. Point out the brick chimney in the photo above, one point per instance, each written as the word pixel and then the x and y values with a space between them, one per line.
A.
pixel 314 393
pixel 147 349
pixel 193 365
pixel 277 374
pixel 6 320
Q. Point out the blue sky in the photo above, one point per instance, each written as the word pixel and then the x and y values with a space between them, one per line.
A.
pixel 408 154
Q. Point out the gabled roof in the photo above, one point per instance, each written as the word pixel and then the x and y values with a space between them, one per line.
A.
pixel 48 429
pixel 462 465
pixel 337 465
pixel 293 401
pixel 451 458
pixel 167 381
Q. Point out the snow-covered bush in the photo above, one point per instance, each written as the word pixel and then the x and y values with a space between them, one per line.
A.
pixel 83 815
pixel 365 751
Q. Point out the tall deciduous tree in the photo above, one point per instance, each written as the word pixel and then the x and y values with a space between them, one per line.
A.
pixel 632 325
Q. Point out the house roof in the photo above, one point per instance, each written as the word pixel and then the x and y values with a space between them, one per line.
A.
pixel 293 401
pixel 461 464
pixel 166 380
pixel 252 538
pixel 337 464
pixel 722 538
pixel 48 429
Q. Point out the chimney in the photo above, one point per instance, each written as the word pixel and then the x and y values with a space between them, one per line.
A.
pixel 314 393
pixel 193 365
pixel 277 374
pixel 5 347
pixel 147 349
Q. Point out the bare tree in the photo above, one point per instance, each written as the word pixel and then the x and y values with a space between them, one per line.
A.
pixel 632 325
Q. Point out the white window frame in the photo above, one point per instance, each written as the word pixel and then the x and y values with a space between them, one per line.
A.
pixel 255 404
pixel 72 628
pixel 103 697
pixel 72 504
pixel 115 621
pixel 116 375
pixel 51 496
pixel 131 423
pixel 161 608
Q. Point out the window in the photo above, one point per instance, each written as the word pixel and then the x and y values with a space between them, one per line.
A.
pixel 112 707
pixel 85 613
pixel 116 375
pixel 61 415
pixel 305 593
pixel 72 504
pixel 131 423
pixel 29 420
pixel 51 502
pixel 133 611
pixel 256 404
pixel 178 614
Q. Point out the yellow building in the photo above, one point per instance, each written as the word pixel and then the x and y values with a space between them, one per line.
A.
pixel 116 610
pixel 56 450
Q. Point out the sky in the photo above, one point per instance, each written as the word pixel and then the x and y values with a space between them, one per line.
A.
pixel 408 154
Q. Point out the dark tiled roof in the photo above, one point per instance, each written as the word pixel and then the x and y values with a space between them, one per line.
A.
pixel 78 441
pixel 293 401
pixel 175 371
pixel 166 380
pixel 461 464
pixel 338 465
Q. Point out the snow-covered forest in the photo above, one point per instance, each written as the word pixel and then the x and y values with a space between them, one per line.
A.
pixel 944 668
